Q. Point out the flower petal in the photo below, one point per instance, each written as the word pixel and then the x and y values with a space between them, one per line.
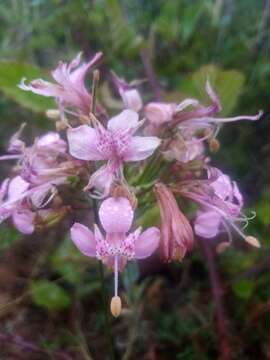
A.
pixel 207 224
pixel 17 187
pixel 116 215
pixel 127 119
pixel 147 243
pixel 82 143
pixel 23 221
pixel 84 239
pixel 141 148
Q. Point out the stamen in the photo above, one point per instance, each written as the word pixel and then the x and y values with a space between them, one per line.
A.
pixel 116 305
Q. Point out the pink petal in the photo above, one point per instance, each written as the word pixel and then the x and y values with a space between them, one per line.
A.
pixel 147 243
pixel 23 221
pixel 116 215
pixel 132 99
pixel 207 224
pixel 127 119
pixel 52 142
pixel 82 143
pixel 141 148
pixel 84 239
pixel 102 180
pixel 17 187
pixel 42 87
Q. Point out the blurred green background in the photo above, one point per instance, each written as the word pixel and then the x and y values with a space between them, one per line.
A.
pixel 50 294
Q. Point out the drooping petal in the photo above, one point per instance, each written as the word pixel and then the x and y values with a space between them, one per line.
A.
pixel 17 187
pixel 127 119
pixel 141 148
pixel 102 180
pixel 116 215
pixel 82 143
pixel 147 243
pixel 23 221
pixel 84 239
pixel 159 113
pixel 207 224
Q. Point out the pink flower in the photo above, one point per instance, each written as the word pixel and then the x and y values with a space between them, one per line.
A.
pixel 116 247
pixel 43 165
pixel 69 89
pixel 221 205
pixel 203 117
pixel 176 231
pixel 12 194
pixel 116 144
pixel 130 96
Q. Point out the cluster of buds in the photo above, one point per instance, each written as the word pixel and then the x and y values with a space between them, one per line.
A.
pixel 104 155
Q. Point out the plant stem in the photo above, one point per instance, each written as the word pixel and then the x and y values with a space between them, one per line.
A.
pixel 107 323
pixel 217 291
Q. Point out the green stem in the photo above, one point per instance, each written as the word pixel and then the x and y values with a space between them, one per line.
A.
pixel 106 319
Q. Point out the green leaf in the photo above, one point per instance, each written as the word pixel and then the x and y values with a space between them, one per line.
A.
pixel 228 84
pixel 150 217
pixel 244 288
pixel 11 74
pixel 66 261
pixel 130 275
pixel 263 211
pixel 49 295
pixel 8 236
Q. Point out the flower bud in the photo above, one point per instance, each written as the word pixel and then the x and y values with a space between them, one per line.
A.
pixel 116 306
pixel 214 145
pixel 53 114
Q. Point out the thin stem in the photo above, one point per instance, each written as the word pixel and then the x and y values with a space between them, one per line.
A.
pixel 94 91
pixel 107 323
pixel 150 73
pixel 116 275
pixel 217 291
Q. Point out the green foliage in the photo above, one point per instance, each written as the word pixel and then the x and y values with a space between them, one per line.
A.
pixel 66 260
pixel 8 236
pixel 244 288
pixel 49 295
pixel 11 74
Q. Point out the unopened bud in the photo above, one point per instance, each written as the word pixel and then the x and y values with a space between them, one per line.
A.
pixel 53 114
pixel 214 145
pixel 116 306
pixel 253 241
pixel 222 247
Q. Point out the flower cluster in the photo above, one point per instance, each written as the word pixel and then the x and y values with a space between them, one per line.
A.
pixel 110 160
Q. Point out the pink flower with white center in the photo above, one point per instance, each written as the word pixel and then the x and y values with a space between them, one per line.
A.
pixel 12 204
pixel 69 89
pixel 221 206
pixel 130 96
pixel 117 246
pixel 116 144
pixel 176 231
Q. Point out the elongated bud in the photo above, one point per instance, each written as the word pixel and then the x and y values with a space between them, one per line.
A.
pixel 253 241
pixel 116 306
pixel 53 114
